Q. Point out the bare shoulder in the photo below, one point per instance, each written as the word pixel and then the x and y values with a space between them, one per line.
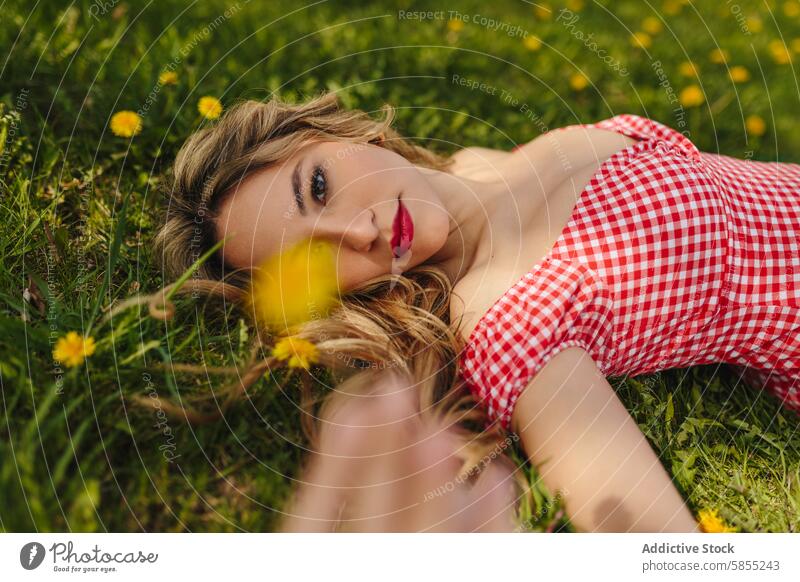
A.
pixel 570 148
pixel 575 147
pixel 477 163
pixel 479 155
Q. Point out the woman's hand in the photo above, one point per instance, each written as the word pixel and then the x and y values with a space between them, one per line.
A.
pixel 380 465
pixel 585 444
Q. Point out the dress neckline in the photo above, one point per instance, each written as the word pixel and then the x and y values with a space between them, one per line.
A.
pixel 577 211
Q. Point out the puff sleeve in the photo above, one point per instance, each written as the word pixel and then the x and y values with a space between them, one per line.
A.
pixel 558 304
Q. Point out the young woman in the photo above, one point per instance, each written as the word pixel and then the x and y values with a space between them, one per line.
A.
pixel 594 250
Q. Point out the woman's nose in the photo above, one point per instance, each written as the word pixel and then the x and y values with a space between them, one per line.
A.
pixel 358 232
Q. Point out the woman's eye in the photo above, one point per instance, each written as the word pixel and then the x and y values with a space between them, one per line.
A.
pixel 318 185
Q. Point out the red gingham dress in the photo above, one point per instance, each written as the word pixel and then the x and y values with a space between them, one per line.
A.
pixel 672 257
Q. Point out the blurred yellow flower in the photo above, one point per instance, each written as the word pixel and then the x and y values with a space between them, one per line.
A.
pixel 300 352
pixel 795 44
pixel 652 25
pixel 641 39
pixel 578 81
pixel 672 7
pixel 295 286
pixel 711 522
pixel 455 24
pixel 791 8
pixel 755 125
pixel 209 107
pixel 126 123
pixel 542 11
pixel 779 52
pixel 168 78
pixel 688 69
pixel 575 5
pixel 739 74
pixel 72 349
pixel 719 56
pixel 754 24
pixel 532 43
pixel 691 96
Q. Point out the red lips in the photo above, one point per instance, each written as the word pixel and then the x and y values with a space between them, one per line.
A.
pixel 402 231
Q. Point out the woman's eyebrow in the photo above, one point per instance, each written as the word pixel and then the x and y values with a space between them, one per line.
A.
pixel 298 194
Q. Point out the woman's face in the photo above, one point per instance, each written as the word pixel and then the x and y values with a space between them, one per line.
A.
pixel 345 193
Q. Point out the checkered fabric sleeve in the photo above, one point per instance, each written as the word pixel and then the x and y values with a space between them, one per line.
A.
pixel 556 305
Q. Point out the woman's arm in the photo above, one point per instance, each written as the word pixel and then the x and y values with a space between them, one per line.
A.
pixel 584 443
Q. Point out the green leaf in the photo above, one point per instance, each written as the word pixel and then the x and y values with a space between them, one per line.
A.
pixel 670 409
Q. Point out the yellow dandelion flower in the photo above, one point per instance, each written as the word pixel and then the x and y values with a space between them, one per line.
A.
pixel 126 123
pixel 578 82
pixel 168 78
pixel 72 349
pixel 672 7
pixel 779 52
pixel 791 8
pixel 739 74
pixel 455 24
pixel 209 107
pixel 688 69
pixel 294 286
pixel 641 39
pixel 543 11
pixel 691 96
pixel 755 125
pixel 652 25
pixel 754 24
pixel 532 43
pixel 719 56
pixel 301 353
pixel 575 5
pixel 795 44
pixel 711 522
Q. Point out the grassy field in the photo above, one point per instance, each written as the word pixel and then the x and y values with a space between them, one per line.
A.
pixel 80 205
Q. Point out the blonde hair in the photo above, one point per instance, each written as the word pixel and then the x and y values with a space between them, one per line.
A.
pixel 393 321
pixel 250 136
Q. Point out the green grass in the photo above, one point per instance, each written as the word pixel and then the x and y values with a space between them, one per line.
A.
pixel 79 208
